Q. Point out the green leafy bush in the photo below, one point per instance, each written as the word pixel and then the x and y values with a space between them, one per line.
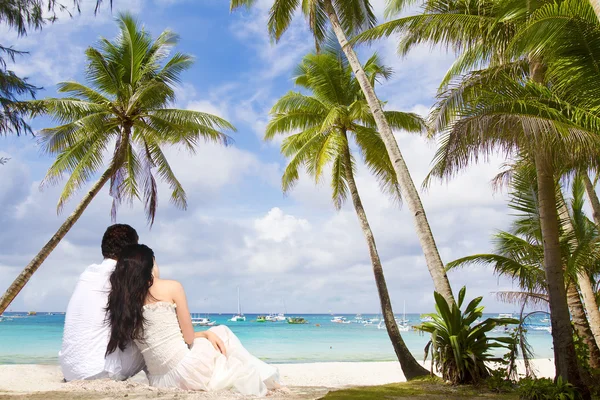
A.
pixel 546 389
pixel 459 345
pixel 498 381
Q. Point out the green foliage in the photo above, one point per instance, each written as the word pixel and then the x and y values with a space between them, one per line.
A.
pixel 499 382
pixel 354 15
pixel 127 104
pixel 22 16
pixel 459 345
pixel 317 125
pixel 546 389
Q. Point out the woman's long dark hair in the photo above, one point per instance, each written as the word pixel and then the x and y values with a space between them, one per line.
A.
pixel 130 281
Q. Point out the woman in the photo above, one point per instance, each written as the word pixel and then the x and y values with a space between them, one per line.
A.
pixel 153 312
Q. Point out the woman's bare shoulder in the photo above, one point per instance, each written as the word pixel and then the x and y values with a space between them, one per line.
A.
pixel 168 285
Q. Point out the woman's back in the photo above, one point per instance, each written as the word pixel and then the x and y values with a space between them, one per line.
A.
pixel 162 344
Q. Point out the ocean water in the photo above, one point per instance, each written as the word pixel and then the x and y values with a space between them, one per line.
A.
pixel 37 339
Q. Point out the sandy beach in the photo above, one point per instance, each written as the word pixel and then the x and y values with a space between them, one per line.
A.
pixel 302 381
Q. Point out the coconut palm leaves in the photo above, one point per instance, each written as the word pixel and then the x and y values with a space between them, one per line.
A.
pixel 518 253
pixel 118 126
pixel 354 15
pixel 127 107
pixel 334 108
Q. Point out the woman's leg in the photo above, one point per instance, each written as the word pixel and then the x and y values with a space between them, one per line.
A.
pixel 268 373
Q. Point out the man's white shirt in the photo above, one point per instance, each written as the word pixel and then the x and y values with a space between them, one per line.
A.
pixel 87 331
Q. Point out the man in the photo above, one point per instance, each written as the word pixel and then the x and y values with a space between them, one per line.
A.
pixel 86 332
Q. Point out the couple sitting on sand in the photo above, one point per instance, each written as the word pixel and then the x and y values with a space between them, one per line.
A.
pixel 123 318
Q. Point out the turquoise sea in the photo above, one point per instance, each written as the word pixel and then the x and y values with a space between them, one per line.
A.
pixel 37 339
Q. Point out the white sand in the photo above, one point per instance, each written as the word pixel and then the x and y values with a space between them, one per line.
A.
pixel 303 381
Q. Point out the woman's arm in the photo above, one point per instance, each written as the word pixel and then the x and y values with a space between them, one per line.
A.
pixel 185 321
pixel 183 313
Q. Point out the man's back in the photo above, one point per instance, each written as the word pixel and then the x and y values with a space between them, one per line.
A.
pixel 86 332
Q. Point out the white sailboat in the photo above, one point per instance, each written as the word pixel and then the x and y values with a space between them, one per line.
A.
pixel 239 317
pixel 403 325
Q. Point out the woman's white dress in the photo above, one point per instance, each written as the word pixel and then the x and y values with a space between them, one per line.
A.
pixel 170 363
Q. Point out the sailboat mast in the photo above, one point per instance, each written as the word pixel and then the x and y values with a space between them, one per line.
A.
pixel 239 307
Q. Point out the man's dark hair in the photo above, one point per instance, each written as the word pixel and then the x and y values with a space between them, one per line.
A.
pixel 116 238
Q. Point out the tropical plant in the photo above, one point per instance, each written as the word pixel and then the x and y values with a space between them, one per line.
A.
pixel 546 389
pixel 518 253
pixel 517 103
pixel 333 111
pixel 347 17
pixel 126 107
pixel 459 345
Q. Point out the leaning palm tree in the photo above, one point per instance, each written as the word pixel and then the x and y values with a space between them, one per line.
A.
pixel 321 123
pixel 519 253
pixel 489 34
pixel 126 107
pixel 348 17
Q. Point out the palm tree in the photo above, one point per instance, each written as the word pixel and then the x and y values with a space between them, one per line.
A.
pixel 334 109
pixel 127 107
pixel 495 35
pixel 347 17
pixel 518 254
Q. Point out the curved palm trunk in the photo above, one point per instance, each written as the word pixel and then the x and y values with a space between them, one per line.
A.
pixel 565 359
pixel 593 197
pixel 410 366
pixel 410 195
pixel 581 324
pixel 596 7
pixel 585 286
pixel 33 266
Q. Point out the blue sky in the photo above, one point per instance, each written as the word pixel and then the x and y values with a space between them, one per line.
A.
pixel 239 228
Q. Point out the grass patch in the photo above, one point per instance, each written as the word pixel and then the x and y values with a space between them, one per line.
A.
pixel 426 388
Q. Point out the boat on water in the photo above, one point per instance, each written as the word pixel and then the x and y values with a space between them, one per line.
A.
pixel 276 317
pixel 261 318
pixel 296 321
pixel 340 320
pixel 359 319
pixel 239 317
pixel 31 313
pixel 202 321
pixel 373 321
pixel 403 325
pixel 505 315
pixel 545 320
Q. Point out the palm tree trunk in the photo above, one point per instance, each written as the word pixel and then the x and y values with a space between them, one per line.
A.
pixel 593 197
pixel 580 322
pixel 565 359
pixel 410 366
pixel 589 300
pixel 583 279
pixel 410 195
pixel 596 7
pixel 33 266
